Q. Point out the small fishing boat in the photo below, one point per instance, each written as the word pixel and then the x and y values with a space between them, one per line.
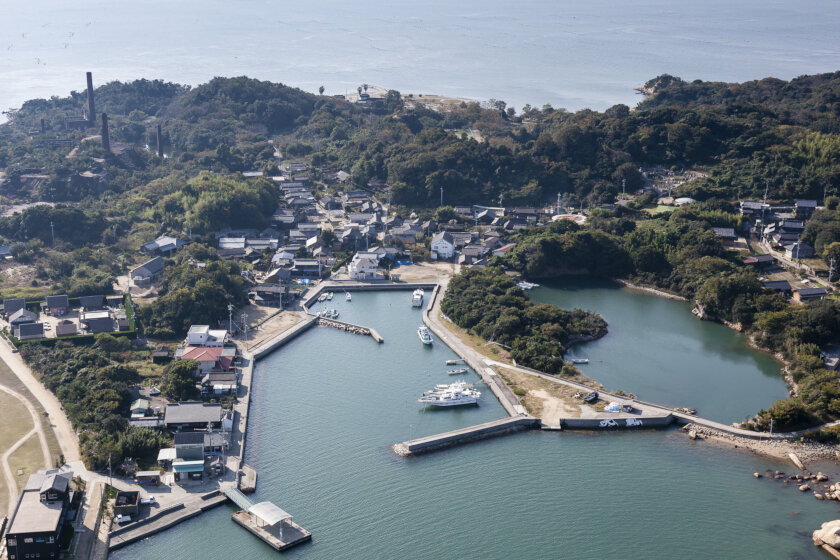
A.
pixel 329 296
pixel 579 360
pixel 347 296
pixel 425 335
pixel 322 297
pixel 457 371
pixel 527 285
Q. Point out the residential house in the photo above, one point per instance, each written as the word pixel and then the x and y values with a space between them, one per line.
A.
pixel 232 247
pixel 799 251
pixel 91 303
pixel 804 295
pixel 145 275
pixel 12 305
pixel 462 238
pixel 442 246
pixel 216 358
pixel 38 517
pixel 139 408
pixel 271 295
pixel 189 446
pixel 29 331
pixel 805 208
pixel 203 335
pixel 219 383
pixel 501 251
pixel 22 316
pixel 191 416
pixel 781 286
pixel 66 327
pixel 98 321
pixel 58 305
pixel 754 209
pixel 307 268
pixel 163 245
pixel 363 266
pixel 727 235
pixel 759 262
pixel 331 203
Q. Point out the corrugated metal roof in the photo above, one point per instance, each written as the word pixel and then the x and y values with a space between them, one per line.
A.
pixel 269 513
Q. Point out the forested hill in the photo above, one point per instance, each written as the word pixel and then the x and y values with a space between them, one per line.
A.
pixel 810 101
pixel 782 136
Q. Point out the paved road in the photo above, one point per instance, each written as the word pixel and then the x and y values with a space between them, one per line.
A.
pixel 37 429
pixel 66 436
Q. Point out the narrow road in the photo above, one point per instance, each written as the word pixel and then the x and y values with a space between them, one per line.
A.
pixel 66 436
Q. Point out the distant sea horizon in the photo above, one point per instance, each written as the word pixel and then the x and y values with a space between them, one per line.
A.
pixel 574 54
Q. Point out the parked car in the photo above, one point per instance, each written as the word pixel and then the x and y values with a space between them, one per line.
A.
pixel 123 519
pixel 148 501
pixel 591 397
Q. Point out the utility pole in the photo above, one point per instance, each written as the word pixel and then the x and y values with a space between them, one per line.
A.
pixel 557 207
pixel 501 198
pixel 623 185
pixel 52 231
pixel 764 205
pixel 230 317
pixel 441 196
pixel 245 325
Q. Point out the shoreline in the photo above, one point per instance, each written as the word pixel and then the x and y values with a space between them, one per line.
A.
pixel 776 448
pixel 649 290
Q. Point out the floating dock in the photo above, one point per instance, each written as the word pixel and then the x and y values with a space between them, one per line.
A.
pixel 464 435
pixel 268 522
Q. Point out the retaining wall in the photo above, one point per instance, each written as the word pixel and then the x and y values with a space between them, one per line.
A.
pixel 621 422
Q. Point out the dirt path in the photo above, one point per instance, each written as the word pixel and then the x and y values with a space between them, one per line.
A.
pixel 66 436
pixel 7 469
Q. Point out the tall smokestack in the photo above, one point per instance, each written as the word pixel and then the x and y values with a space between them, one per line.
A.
pixel 91 107
pixel 159 143
pixel 43 126
pixel 106 140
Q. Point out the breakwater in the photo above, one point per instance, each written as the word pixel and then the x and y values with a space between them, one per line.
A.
pixel 464 435
pixel 351 328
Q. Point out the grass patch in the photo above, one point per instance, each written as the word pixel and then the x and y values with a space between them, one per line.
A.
pixel 27 459
pixel 16 422
pixel 10 380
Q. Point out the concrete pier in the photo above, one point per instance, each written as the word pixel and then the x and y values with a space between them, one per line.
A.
pixel 163 520
pixel 248 480
pixel 464 435
pixel 266 347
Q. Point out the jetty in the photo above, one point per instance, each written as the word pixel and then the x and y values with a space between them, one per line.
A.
pixel 266 521
pixel 350 327
pixel 464 435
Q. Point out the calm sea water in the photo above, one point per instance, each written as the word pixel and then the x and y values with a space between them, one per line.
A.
pixel 328 405
pixel 658 350
pixel 573 54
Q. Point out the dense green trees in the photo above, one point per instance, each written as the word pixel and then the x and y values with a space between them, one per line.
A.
pixel 191 295
pixel 178 383
pixel 94 387
pixel 489 304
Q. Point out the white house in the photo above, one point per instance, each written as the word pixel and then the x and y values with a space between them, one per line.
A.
pixel 203 335
pixel 363 266
pixel 443 246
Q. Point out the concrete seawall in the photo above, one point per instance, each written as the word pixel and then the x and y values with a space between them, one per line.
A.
pixel 464 435
pixel 617 422
pixel 355 286
pixel 272 344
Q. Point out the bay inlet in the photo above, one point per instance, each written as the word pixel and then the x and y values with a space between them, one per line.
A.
pixel 327 406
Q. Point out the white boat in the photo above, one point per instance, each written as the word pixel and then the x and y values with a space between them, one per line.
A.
pixel 425 335
pixel 454 395
pixel 329 296
pixel 457 371
pixel 322 297
pixel 579 360
pixel 527 285
pixel 347 296
pixel 417 298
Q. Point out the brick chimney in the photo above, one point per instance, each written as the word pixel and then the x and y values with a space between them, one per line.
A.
pixel 106 140
pixel 91 107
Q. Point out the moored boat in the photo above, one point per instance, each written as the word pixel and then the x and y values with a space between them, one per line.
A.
pixel 527 285
pixel 417 297
pixel 452 395
pixel 457 371
pixel 425 335
pixel 347 296
pixel 579 360
pixel 329 296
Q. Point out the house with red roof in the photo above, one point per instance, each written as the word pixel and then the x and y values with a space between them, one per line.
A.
pixel 215 358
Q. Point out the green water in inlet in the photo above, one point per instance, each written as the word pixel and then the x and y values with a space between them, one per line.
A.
pixel 328 405
pixel 661 352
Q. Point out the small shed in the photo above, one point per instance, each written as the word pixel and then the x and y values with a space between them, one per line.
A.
pixel 193 470
pixel 166 456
